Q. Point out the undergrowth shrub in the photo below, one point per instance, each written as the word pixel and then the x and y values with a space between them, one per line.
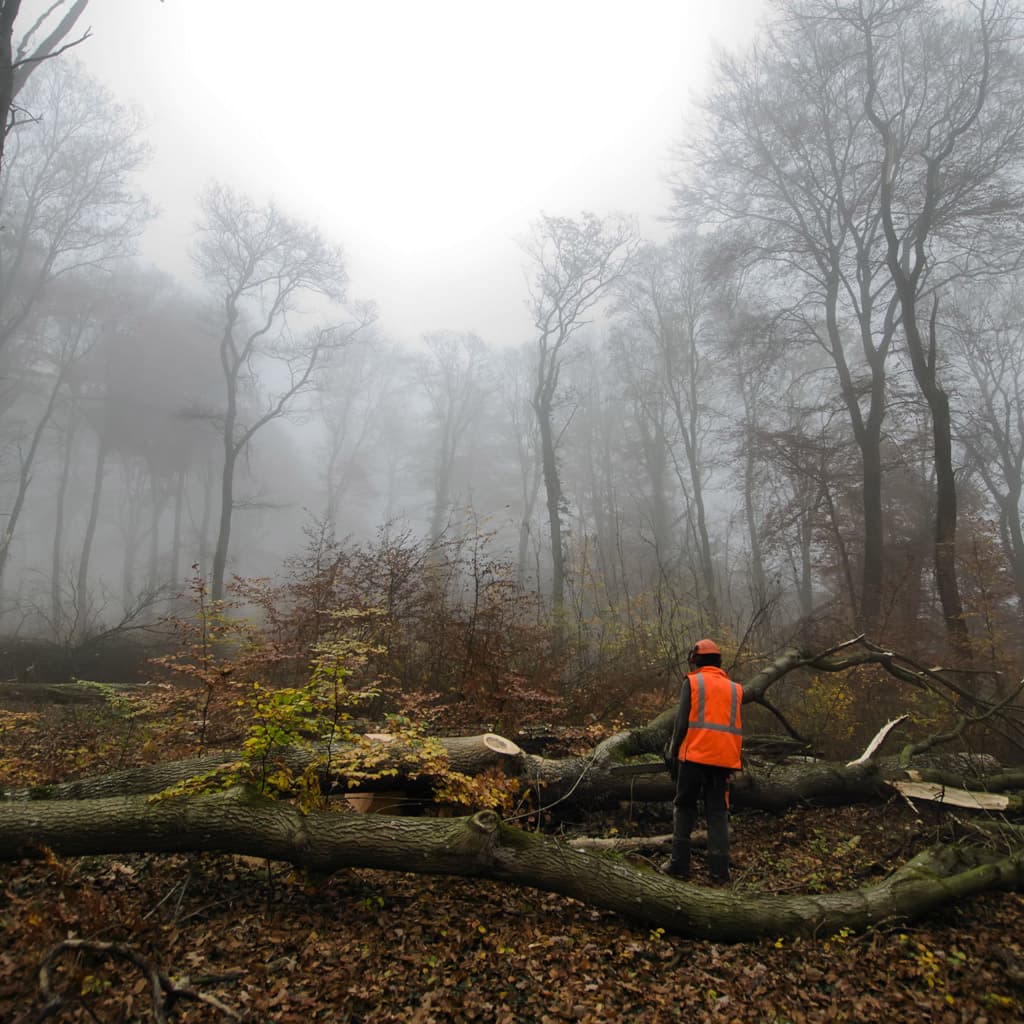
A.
pixel 446 626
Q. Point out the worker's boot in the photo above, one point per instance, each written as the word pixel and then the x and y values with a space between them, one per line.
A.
pixel 679 863
pixel 718 868
pixel 718 846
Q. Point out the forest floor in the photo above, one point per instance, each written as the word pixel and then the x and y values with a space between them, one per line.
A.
pixel 365 945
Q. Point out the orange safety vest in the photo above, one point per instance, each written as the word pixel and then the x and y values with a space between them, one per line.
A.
pixel 715 733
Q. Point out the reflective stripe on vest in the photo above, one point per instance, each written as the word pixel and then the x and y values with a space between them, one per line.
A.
pixel 717 741
pixel 734 706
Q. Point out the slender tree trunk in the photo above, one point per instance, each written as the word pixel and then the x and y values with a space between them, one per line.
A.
pixel 805 582
pixel 130 550
pixel 179 505
pixel 602 508
pixel 205 518
pixel 156 509
pixel 844 557
pixel 926 373
pixel 872 573
pixel 82 587
pixel 1013 542
pixel 758 578
pixel 553 487
pixel 708 574
pixel 57 557
pixel 530 481
pixel 946 579
pixel 227 498
pixel 231 366
pixel 867 432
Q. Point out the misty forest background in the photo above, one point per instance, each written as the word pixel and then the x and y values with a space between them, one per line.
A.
pixel 796 419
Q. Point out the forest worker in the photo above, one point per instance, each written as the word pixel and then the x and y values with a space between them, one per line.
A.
pixel 704 751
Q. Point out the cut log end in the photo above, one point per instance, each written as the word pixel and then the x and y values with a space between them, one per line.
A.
pixel 500 745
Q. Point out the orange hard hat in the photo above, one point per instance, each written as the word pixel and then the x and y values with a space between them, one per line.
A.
pixel 703 647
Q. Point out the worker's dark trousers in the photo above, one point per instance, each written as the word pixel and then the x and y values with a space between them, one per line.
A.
pixel 693 782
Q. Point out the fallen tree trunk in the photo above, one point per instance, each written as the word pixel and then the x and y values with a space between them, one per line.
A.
pixel 602 778
pixel 241 822
pixel 598 779
pixel 469 755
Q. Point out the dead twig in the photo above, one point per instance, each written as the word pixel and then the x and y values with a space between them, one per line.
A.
pixel 163 992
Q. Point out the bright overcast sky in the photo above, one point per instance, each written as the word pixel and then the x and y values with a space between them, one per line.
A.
pixel 423 135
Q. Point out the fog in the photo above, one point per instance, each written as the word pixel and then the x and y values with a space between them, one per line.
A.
pixel 631 300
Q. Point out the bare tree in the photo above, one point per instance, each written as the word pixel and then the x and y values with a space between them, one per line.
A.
pixel 574 263
pixel 44 39
pixel 260 265
pixel 65 198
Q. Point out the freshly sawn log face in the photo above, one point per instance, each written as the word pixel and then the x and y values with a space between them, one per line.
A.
pixel 242 822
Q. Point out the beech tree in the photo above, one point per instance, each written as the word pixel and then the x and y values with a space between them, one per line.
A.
pixel 260 266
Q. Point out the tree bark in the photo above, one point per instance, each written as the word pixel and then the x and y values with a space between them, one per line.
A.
pixel 227 508
pixel 553 492
pixel 57 554
pixel 480 846
pixel 82 586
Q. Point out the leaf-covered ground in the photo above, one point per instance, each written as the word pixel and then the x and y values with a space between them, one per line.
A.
pixel 372 946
